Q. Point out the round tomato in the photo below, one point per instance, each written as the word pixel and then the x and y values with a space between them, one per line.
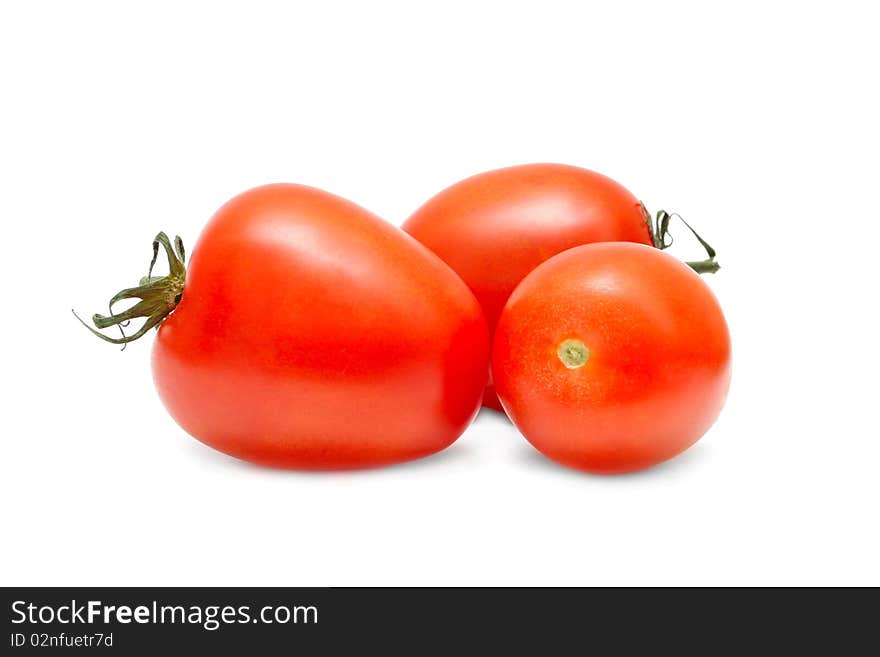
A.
pixel 496 227
pixel 612 357
pixel 311 334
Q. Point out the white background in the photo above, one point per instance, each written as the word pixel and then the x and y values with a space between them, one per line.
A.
pixel 757 122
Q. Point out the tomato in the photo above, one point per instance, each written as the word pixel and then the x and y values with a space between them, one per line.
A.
pixel 312 334
pixel 496 227
pixel 612 357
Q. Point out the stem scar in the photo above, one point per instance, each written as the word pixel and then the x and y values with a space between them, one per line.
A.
pixel 573 354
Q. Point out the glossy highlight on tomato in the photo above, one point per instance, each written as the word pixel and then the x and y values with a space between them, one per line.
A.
pixel 312 334
pixel 612 357
pixel 496 227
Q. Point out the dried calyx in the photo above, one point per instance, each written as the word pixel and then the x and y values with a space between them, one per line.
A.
pixel 159 295
pixel 659 229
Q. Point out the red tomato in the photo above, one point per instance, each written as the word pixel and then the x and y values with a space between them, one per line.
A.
pixel 311 334
pixel 612 357
pixel 496 227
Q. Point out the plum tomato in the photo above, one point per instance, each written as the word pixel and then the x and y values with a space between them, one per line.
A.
pixel 497 226
pixel 612 357
pixel 308 333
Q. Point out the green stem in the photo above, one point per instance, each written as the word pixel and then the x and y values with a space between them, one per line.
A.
pixel 159 295
pixel 662 239
pixel 708 266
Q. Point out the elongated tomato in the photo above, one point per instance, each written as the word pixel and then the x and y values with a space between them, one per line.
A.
pixel 311 334
pixel 496 227
pixel 612 357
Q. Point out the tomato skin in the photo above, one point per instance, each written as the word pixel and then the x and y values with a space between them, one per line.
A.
pixel 312 334
pixel 497 226
pixel 658 368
